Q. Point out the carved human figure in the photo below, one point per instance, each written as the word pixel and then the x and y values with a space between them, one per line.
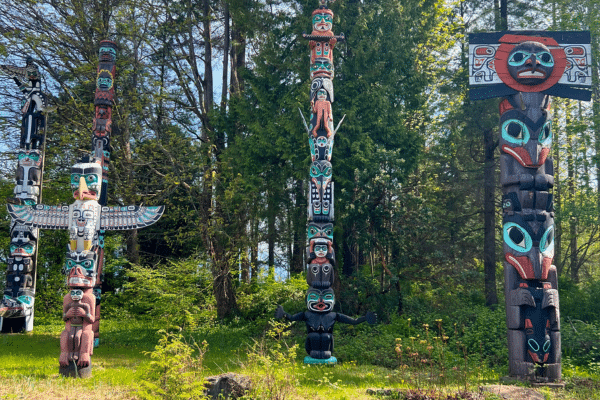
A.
pixel 76 340
pixel 320 251
pixel 321 108
pixel 320 320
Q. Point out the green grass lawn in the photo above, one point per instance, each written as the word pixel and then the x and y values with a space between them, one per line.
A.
pixel 29 367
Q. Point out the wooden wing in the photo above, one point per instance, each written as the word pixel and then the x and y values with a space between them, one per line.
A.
pixel 40 216
pixel 14 72
pixel 129 217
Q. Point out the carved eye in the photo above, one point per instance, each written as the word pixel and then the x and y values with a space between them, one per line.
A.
pixel 533 345
pixel 546 347
pixel 545 59
pixel 326 269
pixel 515 132
pixel 546 133
pixel 517 238
pixel 313 297
pixel 518 59
pixel 315 270
pixel 547 241
pixel 328 297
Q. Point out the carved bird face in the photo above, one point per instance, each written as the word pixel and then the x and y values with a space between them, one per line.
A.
pixel 86 181
pixel 529 244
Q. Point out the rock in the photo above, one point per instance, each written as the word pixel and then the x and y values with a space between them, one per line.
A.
pixel 229 386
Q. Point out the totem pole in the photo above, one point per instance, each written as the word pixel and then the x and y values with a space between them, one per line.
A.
pixel 86 220
pixel 320 298
pixel 16 307
pixel 526 68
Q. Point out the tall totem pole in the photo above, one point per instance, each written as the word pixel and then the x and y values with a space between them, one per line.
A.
pixel 86 220
pixel 320 298
pixel 526 68
pixel 16 307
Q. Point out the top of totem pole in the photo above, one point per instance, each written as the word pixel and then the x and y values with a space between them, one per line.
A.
pixel 553 63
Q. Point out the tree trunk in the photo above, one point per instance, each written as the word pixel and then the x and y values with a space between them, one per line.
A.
pixel 489 223
pixel 573 262
pixel 299 230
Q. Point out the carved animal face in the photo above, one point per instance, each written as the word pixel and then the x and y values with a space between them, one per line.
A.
pixel 30 158
pixel 87 260
pixel 526 141
pixel 322 67
pixel 530 63
pixel 320 300
pixel 316 230
pixel 86 180
pixel 529 244
pixel 319 276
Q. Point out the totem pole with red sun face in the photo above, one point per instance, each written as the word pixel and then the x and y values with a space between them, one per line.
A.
pixel 526 69
pixel 320 299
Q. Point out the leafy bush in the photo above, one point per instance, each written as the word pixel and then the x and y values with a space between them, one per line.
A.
pixel 258 301
pixel 175 370
pixel 177 293
pixel 581 343
pixel 272 362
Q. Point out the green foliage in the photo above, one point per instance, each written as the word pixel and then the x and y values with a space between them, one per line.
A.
pixel 176 293
pixel 272 362
pixel 258 301
pixel 175 370
pixel 581 343
pixel 580 301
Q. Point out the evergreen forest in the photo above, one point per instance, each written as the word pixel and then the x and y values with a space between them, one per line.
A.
pixel 206 123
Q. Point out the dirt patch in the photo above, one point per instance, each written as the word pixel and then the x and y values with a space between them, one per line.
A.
pixel 509 392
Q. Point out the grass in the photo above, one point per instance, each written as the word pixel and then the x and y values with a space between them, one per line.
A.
pixel 29 367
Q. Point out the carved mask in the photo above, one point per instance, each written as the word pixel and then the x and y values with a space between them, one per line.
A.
pixel 529 244
pixel 321 301
pixel 526 141
pixel 530 63
pixel 86 180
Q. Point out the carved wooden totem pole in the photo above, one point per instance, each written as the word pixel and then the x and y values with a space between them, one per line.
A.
pixel 320 298
pixel 86 220
pixel 16 307
pixel 526 68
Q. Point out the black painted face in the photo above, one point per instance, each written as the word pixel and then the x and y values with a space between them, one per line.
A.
pixel 320 300
pixel 530 63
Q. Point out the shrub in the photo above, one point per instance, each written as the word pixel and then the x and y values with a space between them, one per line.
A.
pixel 175 371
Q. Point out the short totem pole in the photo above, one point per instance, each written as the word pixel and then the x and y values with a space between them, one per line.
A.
pixel 86 220
pixel 16 307
pixel 320 299
pixel 526 68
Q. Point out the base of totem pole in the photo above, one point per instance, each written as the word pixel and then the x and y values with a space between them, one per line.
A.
pixel 73 371
pixel 12 325
pixel 326 361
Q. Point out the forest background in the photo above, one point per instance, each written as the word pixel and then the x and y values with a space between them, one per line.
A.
pixel 206 123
